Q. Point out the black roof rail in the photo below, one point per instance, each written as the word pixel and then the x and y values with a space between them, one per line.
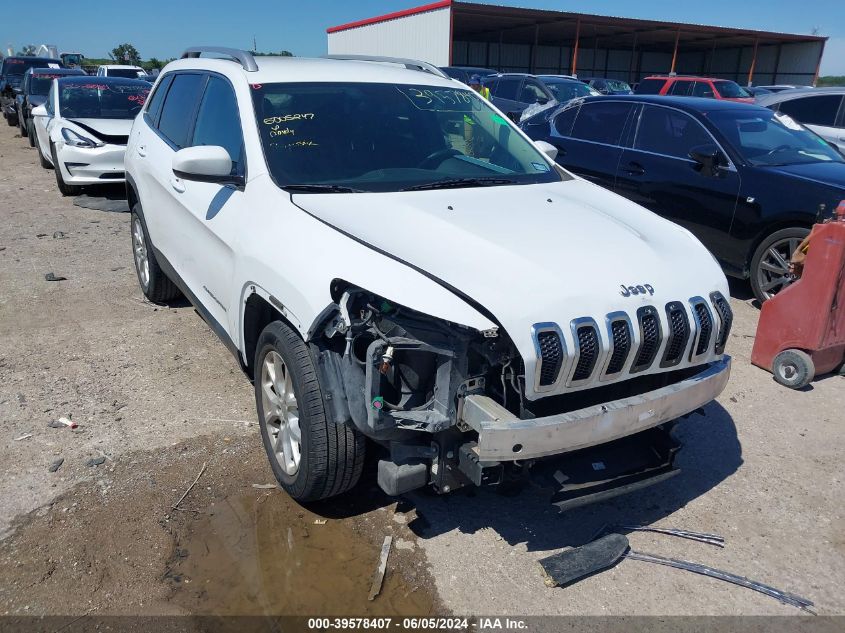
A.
pixel 410 64
pixel 244 58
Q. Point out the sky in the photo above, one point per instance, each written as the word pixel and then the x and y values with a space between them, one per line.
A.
pixel 163 28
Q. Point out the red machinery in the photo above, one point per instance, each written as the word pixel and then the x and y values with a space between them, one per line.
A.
pixel 801 331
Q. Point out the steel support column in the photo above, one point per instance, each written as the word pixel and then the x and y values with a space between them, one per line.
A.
pixel 574 69
pixel 675 52
pixel 753 61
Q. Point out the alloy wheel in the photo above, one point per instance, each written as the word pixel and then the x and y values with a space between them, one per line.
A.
pixel 773 272
pixel 280 411
pixel 139 249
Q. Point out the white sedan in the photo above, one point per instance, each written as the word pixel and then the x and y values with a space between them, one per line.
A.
pixel 82 129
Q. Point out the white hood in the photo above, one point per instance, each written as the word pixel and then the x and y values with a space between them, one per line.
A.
pixel 534 253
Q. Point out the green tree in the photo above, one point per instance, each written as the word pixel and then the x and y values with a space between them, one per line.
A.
pixel 27 51
pixel 126 54
pixel 155 63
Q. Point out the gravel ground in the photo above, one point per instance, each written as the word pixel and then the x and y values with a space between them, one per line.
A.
pixel 763 467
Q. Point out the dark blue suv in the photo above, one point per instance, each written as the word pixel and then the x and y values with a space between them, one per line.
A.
pixel 748 182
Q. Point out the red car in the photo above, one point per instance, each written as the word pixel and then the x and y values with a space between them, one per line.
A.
pixel 686 86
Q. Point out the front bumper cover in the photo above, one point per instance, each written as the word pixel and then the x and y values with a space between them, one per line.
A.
pixel 504 437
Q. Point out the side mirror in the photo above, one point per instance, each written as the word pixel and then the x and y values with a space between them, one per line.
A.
pixel 542 100
pixel 547 148
pixel 205 163
pixel 39 111
pixel 708 157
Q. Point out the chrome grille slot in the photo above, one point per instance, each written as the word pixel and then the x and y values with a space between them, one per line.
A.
pixel 589 349
pixel 704 324
pixel 726 318
pixel 678 334
pixel 650 338
pixel 551 357
pixel 620 333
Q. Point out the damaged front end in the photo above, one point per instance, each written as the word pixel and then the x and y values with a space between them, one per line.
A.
pixel 400 377
pixel 448 404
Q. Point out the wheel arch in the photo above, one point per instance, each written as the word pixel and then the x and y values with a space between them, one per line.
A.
pixel 260 308
pixel 796 221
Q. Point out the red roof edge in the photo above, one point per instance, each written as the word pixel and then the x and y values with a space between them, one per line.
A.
pixel 442 4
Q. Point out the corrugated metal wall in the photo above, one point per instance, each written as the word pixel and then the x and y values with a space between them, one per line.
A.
pixel 795 63
pixel 423 36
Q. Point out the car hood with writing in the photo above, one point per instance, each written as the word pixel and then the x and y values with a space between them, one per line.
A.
pixel 533 253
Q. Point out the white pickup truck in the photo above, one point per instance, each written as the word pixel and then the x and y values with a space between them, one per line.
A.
pixel 399 268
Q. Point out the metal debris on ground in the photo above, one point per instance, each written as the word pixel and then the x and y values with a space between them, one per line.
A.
pixel 95 461
pixel 54 277
pixel 701 537
pixel 704 570
pixel 378 579
pixel 264 486
pixel 320 521
pixel 56 465
pixel 573 564
pixel 59 235
pixel 175 506
pixel 26 436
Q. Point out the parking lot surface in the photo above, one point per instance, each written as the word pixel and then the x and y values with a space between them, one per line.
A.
pixel 156 394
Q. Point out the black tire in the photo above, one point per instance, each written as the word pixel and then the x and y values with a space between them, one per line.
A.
pixel 782 241
pixel 46 164
pixel 22 126
pixel 158 287
pixel 793 368
pixel 66 189
pixel 331 455
pixel 11 121
pixel 30 132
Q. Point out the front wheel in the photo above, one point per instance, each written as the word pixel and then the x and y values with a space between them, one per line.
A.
pixel 30 132
pixel 66 189
pixel 770 264
pixel 23 127
pixel 311 456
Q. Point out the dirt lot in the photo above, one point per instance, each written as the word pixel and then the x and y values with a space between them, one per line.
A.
pixel 157 396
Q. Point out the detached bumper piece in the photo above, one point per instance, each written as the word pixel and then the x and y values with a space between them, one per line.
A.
pixel 601 472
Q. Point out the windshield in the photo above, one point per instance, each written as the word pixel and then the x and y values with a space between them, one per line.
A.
pixel 127 73
pixel 566 90
pixel 731 90
pixel 40 84
pixel 766 138
pixel 387 137
pixel 618 86
pixel 101 100
pixel 15 66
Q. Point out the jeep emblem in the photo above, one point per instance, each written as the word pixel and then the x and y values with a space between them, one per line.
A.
pixel 627 291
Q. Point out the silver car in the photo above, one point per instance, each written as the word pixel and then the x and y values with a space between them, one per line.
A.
pixel 822 110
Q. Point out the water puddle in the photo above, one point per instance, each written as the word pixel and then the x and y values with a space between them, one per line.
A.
pixel 263 554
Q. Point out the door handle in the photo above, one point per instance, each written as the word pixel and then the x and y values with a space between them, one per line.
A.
pixel 634 169
pixel 142 150
pixel 177 184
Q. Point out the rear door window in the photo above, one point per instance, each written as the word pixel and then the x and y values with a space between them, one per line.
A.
pixel 532 93
pixel 820 110
pixel 563 121
pixel 669 132
pixel 218 121
pixel 601 122
pixel 157 99
pixel 180 106
pixel 703 89
pixel 681 88
pixel 508 88
pixel 650 86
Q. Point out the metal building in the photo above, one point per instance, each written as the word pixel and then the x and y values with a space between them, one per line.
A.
pixel 514 39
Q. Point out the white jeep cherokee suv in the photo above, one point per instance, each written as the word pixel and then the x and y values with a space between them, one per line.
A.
pixel 399 268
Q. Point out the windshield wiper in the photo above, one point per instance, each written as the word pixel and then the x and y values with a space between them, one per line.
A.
pixel 323 188
pixel 455 183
